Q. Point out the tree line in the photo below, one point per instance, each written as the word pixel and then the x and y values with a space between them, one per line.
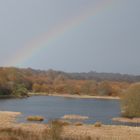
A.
pixel 17 82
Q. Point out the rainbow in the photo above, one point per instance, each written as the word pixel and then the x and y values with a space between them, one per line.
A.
pixel 42 41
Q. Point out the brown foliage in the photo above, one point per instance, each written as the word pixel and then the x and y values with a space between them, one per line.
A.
pixel 131 101
pixel 55 82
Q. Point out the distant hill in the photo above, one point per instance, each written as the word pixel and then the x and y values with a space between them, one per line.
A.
pixel 86 76
pixel 92 75
pixel 105 76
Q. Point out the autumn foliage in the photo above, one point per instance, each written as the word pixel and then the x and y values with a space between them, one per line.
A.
pixel 17 82
pixel 131 101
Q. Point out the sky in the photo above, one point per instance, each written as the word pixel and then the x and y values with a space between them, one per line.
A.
pixel 71 35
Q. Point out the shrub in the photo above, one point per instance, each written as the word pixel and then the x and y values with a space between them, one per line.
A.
pixel 5 91
pixel 35 118
pixel 78 124
pixel 131 101
pixel 98 124
pixel 20 90
pixel 104 89
pixel 64 122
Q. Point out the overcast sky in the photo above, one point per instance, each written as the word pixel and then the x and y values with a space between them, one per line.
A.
pixel 108 41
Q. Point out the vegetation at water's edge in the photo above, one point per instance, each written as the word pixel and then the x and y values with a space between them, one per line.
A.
pixel 131 101
pixel 56 131
pixel 35 118
pixel 16 82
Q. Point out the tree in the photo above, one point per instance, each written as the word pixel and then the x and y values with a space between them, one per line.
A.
pixel 131 101
pixel 20 90
pixel 70 88
pixel 104 89
pixel 89 88
pixel 36 87
pixel 44 88
pixel 5 91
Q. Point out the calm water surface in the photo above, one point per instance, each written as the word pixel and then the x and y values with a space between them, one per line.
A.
pixel 56 107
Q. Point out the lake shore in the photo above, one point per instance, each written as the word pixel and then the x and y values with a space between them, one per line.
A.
pixel 105 132
pixel 84 96
pixel 127 120
pixel 76 96
pixel 8 117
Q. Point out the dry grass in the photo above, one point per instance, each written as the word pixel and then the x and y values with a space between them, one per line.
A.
pixel 7 117
pixel 102 133
pixel 59 130
pixel 127 120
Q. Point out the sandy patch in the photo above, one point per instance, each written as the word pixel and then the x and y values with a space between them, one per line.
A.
pixel 85 96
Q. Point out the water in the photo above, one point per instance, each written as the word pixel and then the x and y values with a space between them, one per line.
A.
pixel 56 107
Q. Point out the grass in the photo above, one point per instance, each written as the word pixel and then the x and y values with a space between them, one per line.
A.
pixel 55 132
pixel 56 128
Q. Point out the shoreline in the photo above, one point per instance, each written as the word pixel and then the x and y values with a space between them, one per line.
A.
pixel 126 120
pixel 76 96
pixel 85 96
pixel 69 131
pixel 8 117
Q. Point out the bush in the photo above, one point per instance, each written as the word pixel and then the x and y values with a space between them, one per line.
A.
pixel 78 124
pixel 104 89
pixel 20 90
pixel 131 101
pixel 98 124
pixel 5 91
pixel 35 118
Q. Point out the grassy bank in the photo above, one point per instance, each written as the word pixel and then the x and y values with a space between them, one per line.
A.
pixel 9 130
